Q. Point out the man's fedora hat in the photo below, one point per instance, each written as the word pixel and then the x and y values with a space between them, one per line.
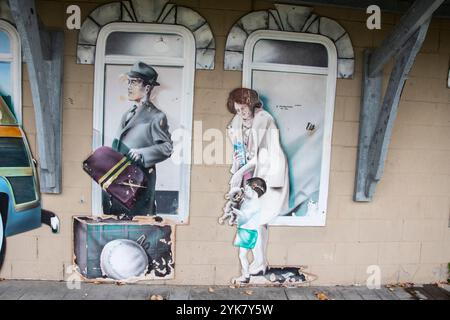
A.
pixel 145 72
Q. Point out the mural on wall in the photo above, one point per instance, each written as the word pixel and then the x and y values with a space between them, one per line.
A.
pixel 138 121
pixel 143 136
pixel 136 244
pixel 297 103
pixel 20 198
pixel 295 75
pixel 173 39
pixel 259 186
pixel 145 54
pixel 108 249
pixel 281 129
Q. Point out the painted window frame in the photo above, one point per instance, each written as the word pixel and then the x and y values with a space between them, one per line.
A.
pixel 331 72
pixel 187 62
pixel 15 58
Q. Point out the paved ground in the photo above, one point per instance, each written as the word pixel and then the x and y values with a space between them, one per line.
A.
pixel 51 290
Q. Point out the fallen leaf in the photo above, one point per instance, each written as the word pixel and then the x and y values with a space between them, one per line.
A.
pixel 234 286
pixel 156 297
pixel 321 296
pixel 210 290
pixel 248 292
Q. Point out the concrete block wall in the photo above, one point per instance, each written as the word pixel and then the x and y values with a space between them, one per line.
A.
pixel 405 230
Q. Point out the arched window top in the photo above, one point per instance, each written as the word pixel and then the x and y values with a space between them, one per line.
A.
pixel 10 68
pixel 291 19
pixel 146 11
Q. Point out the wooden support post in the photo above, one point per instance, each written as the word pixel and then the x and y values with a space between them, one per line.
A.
pixel 376 123
pixel 376 119
pixel 416 16
pixel 43 51
pixel 370 109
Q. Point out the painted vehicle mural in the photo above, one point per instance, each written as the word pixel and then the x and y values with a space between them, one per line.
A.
pixel 20 200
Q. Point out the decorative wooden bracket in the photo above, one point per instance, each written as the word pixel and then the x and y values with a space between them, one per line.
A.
pixel 376 118
pixel 43 52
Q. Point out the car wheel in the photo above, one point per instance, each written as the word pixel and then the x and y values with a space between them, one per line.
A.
pixel 3 242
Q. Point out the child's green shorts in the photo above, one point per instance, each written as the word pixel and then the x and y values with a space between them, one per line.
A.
pixel 246 238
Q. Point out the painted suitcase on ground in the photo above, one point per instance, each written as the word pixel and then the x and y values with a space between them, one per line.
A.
pixel 116 174
pixel 92 235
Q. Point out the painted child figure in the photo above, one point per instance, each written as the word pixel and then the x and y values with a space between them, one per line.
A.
pixel 248 216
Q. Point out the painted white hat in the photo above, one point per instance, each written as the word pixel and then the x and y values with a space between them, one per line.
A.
pixel 123 259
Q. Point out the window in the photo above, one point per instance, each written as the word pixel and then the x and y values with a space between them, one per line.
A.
pixel 170 50
pixel 10 68
pixel 23 189
pixel 14 153
pixel 290 53
pixel 295 76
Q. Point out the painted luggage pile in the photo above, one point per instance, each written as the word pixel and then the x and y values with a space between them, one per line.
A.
pixel 126 250
pixel 116 174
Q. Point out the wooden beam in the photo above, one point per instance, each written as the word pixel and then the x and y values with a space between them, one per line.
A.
pixel 370 109
pixel 376 122
pixel 386 6
pixel 418 13
pixel 43 52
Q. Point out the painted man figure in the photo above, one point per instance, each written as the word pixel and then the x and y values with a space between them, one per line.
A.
pixel 144 137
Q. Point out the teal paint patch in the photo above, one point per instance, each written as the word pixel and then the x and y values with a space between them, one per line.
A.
pixel 246 238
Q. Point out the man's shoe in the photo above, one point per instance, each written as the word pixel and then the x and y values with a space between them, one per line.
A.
pixel 54 224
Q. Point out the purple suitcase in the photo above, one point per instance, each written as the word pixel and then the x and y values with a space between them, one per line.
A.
pixel 116 174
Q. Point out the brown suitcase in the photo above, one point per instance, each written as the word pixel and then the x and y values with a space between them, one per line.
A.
pixel 116 174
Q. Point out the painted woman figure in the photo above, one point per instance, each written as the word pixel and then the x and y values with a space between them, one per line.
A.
pixel 258 153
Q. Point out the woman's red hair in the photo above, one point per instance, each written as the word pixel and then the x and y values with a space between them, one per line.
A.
pixel 245 96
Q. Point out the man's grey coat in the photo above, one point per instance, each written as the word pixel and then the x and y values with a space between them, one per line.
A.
pixel 147 132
